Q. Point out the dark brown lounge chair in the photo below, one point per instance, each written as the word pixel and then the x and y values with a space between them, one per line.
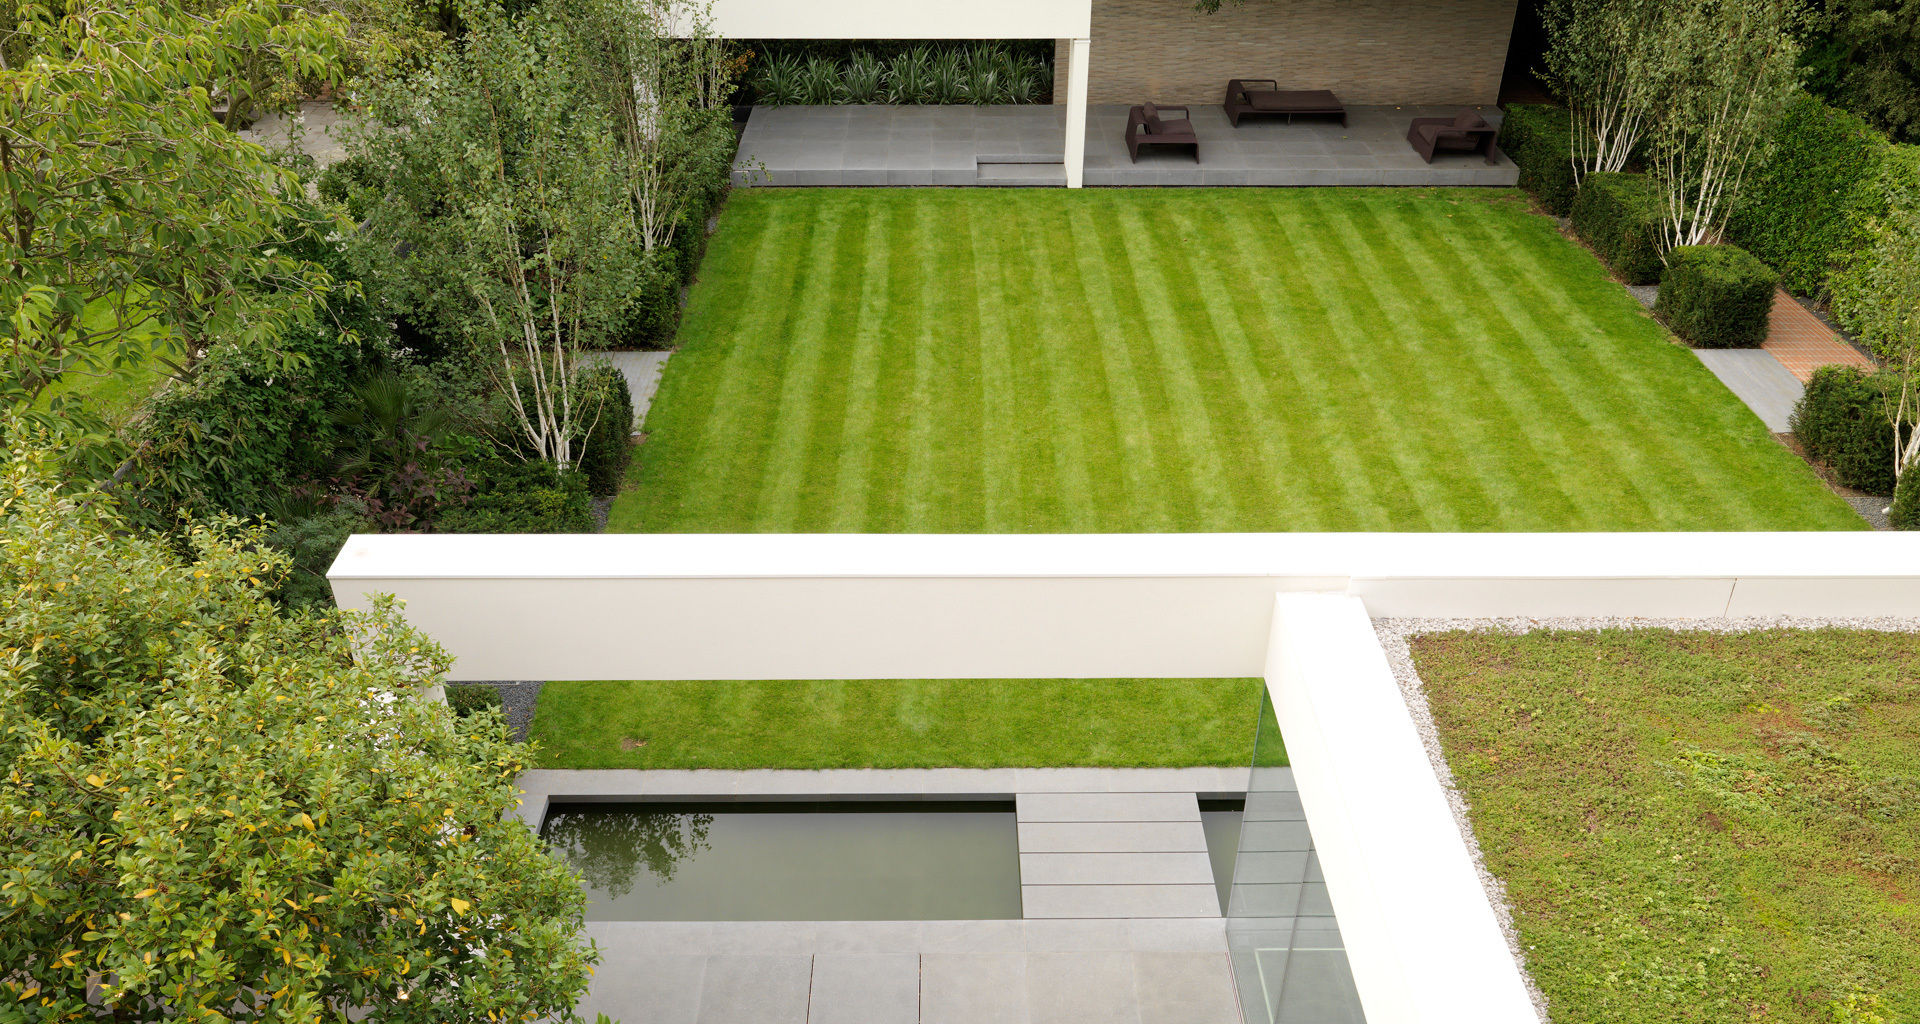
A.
pixel 1145 127
pixel 1264 96
pixel 1466 132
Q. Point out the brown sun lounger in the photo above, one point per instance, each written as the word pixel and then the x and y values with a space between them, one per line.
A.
pixel 1145 127
pixel 1466 132
pixel 1264 96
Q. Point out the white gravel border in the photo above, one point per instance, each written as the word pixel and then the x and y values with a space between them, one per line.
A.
pixel 1394 633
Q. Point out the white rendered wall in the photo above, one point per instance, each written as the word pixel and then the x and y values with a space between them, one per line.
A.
pixel 1420 934
pixel 827 606
pixel 891 19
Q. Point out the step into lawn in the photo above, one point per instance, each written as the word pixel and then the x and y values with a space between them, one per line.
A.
pixel 1185 360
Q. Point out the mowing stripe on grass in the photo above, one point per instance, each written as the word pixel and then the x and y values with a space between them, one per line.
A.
pixel 1109 360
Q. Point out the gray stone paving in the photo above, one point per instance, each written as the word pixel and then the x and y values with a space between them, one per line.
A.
pixel 1769 389
pixel 310 129
pixel 1021 145
pixel 642 370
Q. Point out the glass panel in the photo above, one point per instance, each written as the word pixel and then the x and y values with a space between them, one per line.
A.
pixel 1288 959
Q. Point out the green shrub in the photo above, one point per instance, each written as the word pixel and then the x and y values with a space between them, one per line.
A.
pixel 313 541
pixel 607 448
pixel 1841 423
pixel 349 182
pixel 1619 215
pixel 1796 210
pixel 652 313
pixel 465 700
pixel 1885 198
pixel 1905 513
pixel 1716 296
pixel 1539 139
pixel 521 496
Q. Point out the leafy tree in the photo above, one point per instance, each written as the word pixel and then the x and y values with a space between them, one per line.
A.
pixel 1596 58
pixel 1722 72
pixel 1866 58
pixel 1877 293
pixel 137 227
pixel 506 196
pixel 213 811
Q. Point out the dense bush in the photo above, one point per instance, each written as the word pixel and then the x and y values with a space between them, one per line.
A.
pixel 521 496
pixel 1841 423
pixel 1716 296
pixel 312 539
pixel 979 73
pixel 465 700
pixel 1905 511
pixel 607 448
pixel 1619 215
pixel 1540 140
pixel 350 183
pixel 1797 210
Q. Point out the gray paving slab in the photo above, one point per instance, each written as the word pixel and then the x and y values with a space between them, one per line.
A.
pixel 1758 379
pixel 973 988
pixel 798 144
pixel 1118 868
pixel 1111 837
pixel 865 988
pixel 760 989
pixel 1120 900
pixel 662 988
pixel 642 370
pixel 1185 988
pixel 1082 988
pixel 1107 807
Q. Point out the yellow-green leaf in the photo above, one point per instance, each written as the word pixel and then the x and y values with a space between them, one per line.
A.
pixel 144 893
pixel 460 906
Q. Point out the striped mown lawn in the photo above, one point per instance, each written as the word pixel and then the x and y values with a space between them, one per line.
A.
pixel 1185 360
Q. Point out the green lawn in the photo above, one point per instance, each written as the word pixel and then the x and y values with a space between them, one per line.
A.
pixel 1184 360
pixel 899 723
pixel 1695 827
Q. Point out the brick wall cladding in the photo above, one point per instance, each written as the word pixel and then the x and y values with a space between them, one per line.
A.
pixel 1366 51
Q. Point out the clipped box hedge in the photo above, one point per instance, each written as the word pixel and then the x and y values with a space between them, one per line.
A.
pixel 1841 423
pixel 1539 139
pixel 1804 209
pixel 1619 215
pixel 1716 296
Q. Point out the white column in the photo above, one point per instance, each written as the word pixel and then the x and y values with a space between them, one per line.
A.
pixel 1076 143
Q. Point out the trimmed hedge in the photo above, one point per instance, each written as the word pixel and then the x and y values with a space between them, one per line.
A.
pixel 1716 296
pixel 1619 215
pixel 1539 139
pixel 465 700
pixel 607 448
pixel 521 497
pixel 1797 211
pixel 1905 512
pixel 1841 423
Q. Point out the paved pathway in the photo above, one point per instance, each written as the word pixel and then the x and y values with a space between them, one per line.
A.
pixel 642 370
pixel 315 121
pixel 1021 145
pixel 1802 343
pixel 1768 388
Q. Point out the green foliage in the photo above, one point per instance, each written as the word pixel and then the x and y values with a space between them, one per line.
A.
pixel 607 448
pixel 1716 296
pixel 1797 210
pixel 392 451
pixel 466 700
pixel 1619 215
pixel 1904 514
pixel 312 534
pixel 521 496
pixel 138 227
pixel 212 810
pixel 1539 139
pixel 1694 826
pixel 933 73
pixel 1866 58
pixel 652 311
pixel 350 183
pixel 1839 423
pixel 1877 293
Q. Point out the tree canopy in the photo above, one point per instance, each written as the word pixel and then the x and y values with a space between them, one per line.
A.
pixel 211 810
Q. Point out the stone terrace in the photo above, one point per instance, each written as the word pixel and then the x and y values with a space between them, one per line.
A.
pixel 1020 145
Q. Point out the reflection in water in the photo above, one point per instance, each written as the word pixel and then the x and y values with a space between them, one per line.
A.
pixel 611 849
pixel 841 861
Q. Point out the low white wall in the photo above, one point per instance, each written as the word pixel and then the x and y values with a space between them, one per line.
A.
pixel 826 606
pixel 1420 932
pixel 889 19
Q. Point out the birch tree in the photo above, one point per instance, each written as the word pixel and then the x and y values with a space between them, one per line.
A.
pixel 1597 59
pixel 508 212
pixel 1878 294
pixel 1722 71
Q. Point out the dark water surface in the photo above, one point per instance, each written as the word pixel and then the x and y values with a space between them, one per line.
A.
pixel 838 861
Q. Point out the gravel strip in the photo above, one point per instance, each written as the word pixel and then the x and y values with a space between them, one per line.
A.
pixel 1871 508
pixel 517 698
pixel 1394 633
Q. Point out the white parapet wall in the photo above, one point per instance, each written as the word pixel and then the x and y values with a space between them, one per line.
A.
pixel 888 19
pixel 1420 932
pixel 827 606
